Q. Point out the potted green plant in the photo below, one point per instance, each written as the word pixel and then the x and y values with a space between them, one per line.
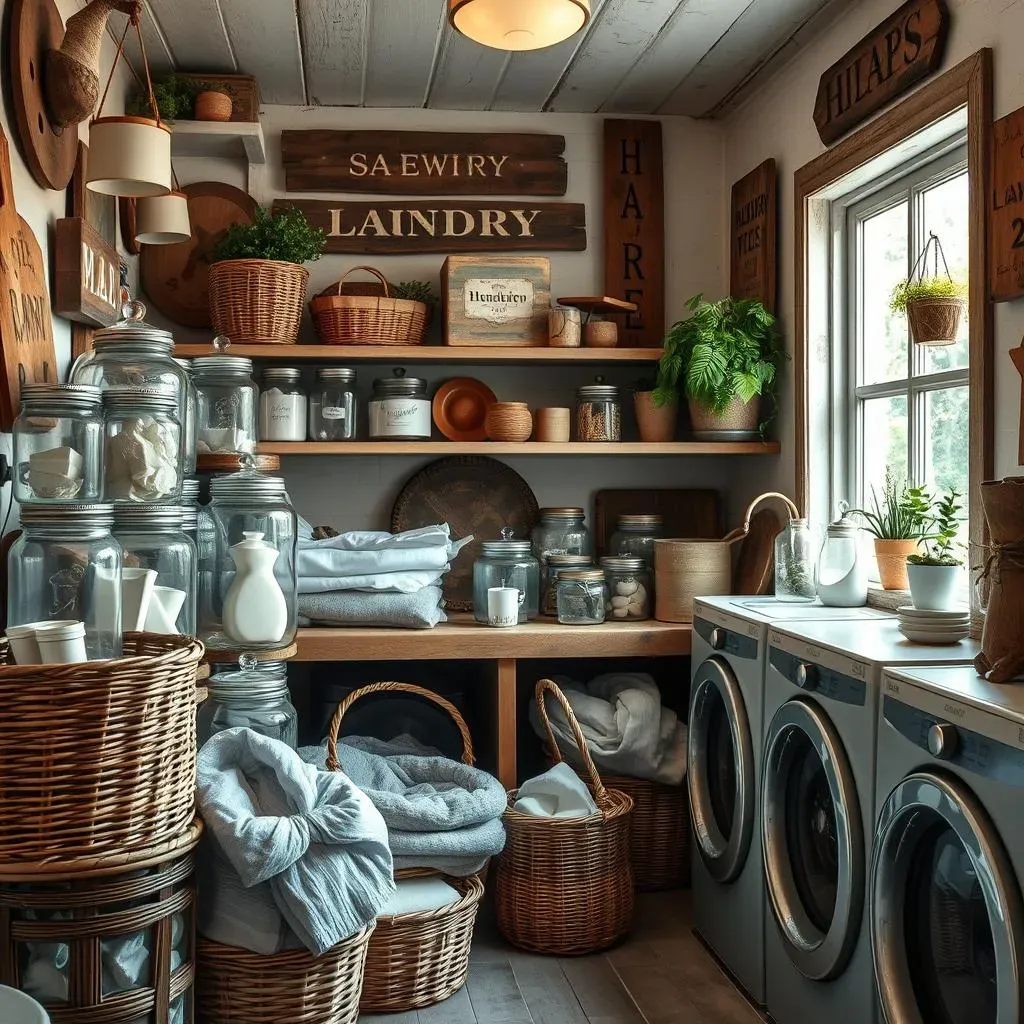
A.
pixel 418 291
pixel 655 421
pixel 212 103
pixel 725 357
pixel 935 572
pixel 257 281
pixel 175 99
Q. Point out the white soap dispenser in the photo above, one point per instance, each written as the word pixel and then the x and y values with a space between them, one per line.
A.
pixel 255 610
pixel 842 575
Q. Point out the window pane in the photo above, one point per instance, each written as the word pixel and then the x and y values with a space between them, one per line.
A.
pixel 946 448
pixel 883 265
pixel 885 442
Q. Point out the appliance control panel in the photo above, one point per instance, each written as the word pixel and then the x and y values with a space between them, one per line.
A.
pixel 812 676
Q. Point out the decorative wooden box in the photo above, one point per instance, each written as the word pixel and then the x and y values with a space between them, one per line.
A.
pixel 501 301
pixel 244 91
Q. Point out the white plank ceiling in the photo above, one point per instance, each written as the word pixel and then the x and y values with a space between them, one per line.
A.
pixel 694 57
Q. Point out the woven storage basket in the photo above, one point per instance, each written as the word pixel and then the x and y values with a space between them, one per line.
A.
pixel 368 319
pixel 935 321
pixel 258 302
pixel 109 950
pixel 235 986
pixel 565 885
pixel 97 759
pixel 418 959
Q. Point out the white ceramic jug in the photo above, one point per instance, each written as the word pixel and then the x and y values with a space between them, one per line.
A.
pixel 255 610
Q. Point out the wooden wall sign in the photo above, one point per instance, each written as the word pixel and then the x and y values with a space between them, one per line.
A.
pixel 753 236
pixel 634 228
pixel 87 281
pixel 1006 209
pixel 903 49
pixel 424 163
pixel 430 225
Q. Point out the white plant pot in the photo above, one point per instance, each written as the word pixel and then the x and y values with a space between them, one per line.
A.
pixel 933 587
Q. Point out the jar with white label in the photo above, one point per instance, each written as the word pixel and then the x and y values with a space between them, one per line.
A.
pixel 400 408
pixel 282 405
pixel 332 405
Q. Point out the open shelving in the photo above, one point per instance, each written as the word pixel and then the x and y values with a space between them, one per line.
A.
pixel 582 448
pixel 220 139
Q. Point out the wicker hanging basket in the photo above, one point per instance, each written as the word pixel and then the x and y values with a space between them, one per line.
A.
pixel 342 319
pixel 935 321
pixel 418 959
pixel 257 302
pixel 565 885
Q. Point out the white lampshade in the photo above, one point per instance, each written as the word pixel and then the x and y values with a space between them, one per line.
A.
pixel 518 24
pixel 129 156
pixel 162 220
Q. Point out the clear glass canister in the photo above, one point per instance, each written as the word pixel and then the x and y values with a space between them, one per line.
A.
pixel 561 531
pixel 635 535
pixel 507 563
pixel 66 565
pixel 842 575
pixel 188 424
pixel 58 444
pixel 332 405
pixel 582 596
pixel 282 405
pixel 252 603
pixel 598 413
pixel 794 563
pixel 226 414
pixel 256 698
pixel 143 449
pixel 549 570
pixel 629 587
pixel 158 573
pixel 399 408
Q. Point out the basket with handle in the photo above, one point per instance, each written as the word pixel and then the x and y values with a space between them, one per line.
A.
pixel 421 958
pixel 368 319
pixel 565 885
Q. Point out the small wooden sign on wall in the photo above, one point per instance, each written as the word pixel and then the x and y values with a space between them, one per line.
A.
pixel 1006 209
pixel 87 283
pixel 753 236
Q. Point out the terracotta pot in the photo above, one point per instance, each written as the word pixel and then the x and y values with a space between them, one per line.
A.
pixel 601 334
pixel 737 415
pixel 891 556
pixel 656 422
pixel 213 106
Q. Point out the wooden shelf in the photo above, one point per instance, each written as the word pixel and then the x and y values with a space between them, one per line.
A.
pixel 221 139
pixel 591 448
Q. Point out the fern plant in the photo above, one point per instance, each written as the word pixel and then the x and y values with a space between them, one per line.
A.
pixel 724 350
pixel 285 236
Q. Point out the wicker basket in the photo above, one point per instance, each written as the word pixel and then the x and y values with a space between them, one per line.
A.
pixel 98 758
pixel 565 885
pixel 235 986
pixel 935 321
pixel 258 302
pixel 367 319
pixel 417 959
pixel 70 941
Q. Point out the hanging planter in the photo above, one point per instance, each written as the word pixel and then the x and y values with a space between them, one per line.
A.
pixel 934 303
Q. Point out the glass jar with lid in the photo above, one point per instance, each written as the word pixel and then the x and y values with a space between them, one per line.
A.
pixel 254 696
pixel 399 408
pixel 152 540
pixel 582 596
pixel 66 565
pixel 629 587
pixel 635 535
pixel 188 424
pixel 58 444
pixel 561 531
pixel 549 570
pixel 143 445
pixel 226 413
pixel 507 563
pixel 598 412
pixel 252 601
pixel 282 405
pixel 332 405
pixel 794 563
pixel 841 579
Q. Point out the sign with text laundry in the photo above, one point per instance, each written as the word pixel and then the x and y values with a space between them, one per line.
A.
pixel 424 163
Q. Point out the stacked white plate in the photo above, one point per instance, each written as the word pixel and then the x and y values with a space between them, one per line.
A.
pixel 920 626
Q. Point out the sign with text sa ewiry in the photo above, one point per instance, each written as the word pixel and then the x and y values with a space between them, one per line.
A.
pixel 1006 209
pixel 753 240
pixel 903 49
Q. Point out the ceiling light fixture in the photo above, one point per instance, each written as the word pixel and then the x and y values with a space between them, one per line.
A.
pixel 518 24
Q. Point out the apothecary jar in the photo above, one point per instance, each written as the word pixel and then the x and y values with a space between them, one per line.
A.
pixel 58 444
pixel 143 445
pixel 561 531
pixel 251 603
pixel 581 596
pixel 188 424
pixel 255 695
pixel 635 536
pixel 507 563
pixel 598 412
pixel 66 565
pixel 629 587
pixel 226 410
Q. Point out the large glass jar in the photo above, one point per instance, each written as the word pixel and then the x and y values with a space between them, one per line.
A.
pixel 507 563
pixel 58 444
pixel 66 565
pixel 252 604
pixel 582 596
pixel 549 570
pixel 399 409
pixel 560 531
pixel 842 576
pixel 629 587
pixel 598 413
pixel 635 535
pixel 254 697
pixel 282 405
pixel 188 424
pixel 143 445
pixel 794 563
pixel 226 415
pixel 332 405
pixel 152 541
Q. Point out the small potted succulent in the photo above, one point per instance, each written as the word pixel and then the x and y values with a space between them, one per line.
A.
pixel 417 291
pixel 898 523
pixel 935 573
pixel 655 420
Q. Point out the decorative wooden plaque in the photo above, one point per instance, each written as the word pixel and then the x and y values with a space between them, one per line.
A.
pixel 753 236
pixel 429 225
pixel 634 228
pixel 903 49
pixel 1006 209
pixel 424 163
pixel 87 282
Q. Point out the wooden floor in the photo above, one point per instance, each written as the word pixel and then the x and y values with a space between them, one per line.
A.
pixel 660 975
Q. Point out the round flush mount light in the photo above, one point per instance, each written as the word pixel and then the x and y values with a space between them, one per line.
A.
pixel 518 24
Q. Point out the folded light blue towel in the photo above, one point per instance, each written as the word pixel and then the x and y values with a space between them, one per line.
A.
pixel 421 610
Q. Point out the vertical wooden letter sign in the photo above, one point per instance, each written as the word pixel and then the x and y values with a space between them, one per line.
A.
pixel 634 228
pixel 1006 209
pixel 753 236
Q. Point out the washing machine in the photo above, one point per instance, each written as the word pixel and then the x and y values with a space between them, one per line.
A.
pixel 724 772
pixel 821 699
pixel 946 918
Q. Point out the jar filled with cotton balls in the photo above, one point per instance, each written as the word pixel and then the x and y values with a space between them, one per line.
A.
pixel 143 444
pixel 629 587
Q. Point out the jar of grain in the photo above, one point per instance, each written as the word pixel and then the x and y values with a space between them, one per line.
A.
pixel 598 412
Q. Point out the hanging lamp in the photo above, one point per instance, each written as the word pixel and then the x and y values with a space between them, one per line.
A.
pixel 163 220
pixel 518 24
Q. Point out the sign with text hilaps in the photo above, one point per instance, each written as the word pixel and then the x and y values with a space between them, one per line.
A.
pixel 753 239
pixel 1006 209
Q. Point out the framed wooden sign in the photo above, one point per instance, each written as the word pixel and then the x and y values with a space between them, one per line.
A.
pixel 427 225
pixel 1006 209
pixel 634 228
pixel 424 163
pixel 903 49
pixel 87 281
pixel 753 238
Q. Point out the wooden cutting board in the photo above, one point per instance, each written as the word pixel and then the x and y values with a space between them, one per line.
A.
pixel 755 564
pixel 687 512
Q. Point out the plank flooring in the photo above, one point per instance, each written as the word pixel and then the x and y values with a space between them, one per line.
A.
pixel 660 975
